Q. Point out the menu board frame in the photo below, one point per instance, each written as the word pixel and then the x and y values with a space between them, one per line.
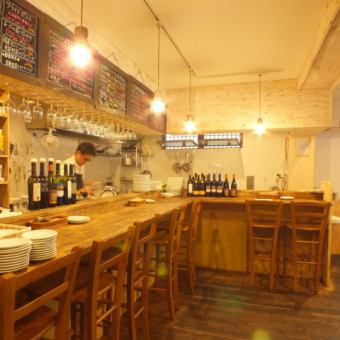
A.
pixel 103 61
pixel 51 24
pixel 144 119
pixel 34 79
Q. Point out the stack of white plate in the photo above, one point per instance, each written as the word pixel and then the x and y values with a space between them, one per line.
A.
pixel 14 254
pixel 156 185
pixel 43 244
pixel 141 183
pixel 174 185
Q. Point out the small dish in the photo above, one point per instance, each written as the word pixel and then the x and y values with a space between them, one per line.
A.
pixel 167 194
pixel 78 219
pixel 149 200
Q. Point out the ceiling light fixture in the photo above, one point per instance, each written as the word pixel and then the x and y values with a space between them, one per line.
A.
pixel 190 124
pixel 260 127
pixel 158 104
pixel 80 51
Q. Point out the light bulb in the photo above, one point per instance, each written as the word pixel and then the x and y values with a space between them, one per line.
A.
pixel 80 54
pixel 158 105
pixel 190 124
pixel 260 128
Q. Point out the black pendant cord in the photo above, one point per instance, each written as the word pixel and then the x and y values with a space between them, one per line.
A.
pixel 159 53
pixel 190 91
pixel 260 98
pixel 81 12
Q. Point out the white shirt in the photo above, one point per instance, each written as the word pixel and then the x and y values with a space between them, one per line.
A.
pixel 80 170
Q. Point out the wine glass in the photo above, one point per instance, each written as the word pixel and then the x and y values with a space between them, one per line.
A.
pixel 11 107
pixel 51 116
pixel 38 111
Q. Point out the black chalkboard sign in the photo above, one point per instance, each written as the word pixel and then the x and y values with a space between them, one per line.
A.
pixel 139 101
pixel 19 38
pixel 60 71
pixel 113 86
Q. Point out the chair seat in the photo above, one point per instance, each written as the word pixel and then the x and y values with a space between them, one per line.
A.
pixel 36 324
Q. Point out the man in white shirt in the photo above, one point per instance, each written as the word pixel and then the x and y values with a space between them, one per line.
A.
pixel 84 153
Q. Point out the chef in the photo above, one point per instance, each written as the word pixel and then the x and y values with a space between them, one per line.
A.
pixel 84 153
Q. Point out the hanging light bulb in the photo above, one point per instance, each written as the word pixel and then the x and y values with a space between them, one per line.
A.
pixel 260 127
pixel 158 104
pixel 80 51
pixel 190 124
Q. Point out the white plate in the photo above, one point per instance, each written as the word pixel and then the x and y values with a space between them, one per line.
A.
pixel 14 269
pixel 263 199
pixel 287 197
pixel 167 194
pixel 15 250
pixel 40 234
pixel 8 232
pixel 149 200
pixel 14 261
pixel 78 219
pixel 15 242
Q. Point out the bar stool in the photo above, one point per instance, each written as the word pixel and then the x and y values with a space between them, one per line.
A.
pixel 263 223
pixel 32 318
pixel 186 255
pixel 309 222
pixel 98 303
pixel 137 278
pixel 166 261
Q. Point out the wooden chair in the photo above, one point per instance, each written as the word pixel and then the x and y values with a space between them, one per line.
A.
pixel 189 232
pixel 32 318
pixel 263 224
pixel 137 278
pixel 98 303
pixel 309 222
pixel 166 261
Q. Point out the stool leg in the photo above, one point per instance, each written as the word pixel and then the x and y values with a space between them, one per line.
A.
pixel 131 314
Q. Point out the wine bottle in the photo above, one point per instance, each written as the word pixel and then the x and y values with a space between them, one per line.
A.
pixel 59 183
pixel 202 188
pixel 233 188
pixel 213 186
pixel 73 184
pixel 208 186
pixel 43 184
pixel 226 192
pixel 219 186
pixel 67 186
pixel 52 188
pixel 196 187
pixel 34 187
pixel 189 186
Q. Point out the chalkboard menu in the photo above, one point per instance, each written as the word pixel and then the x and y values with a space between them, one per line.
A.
pixel 140 100
pixel 19 38
pixel 60 71
pixel 112 89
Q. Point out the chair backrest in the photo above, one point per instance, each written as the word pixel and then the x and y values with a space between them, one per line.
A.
pixel 175 228
pixel 12 310
pixel 266 214
pixel 195 215
pixel 109 259
pixel 310 216
pixel 140 253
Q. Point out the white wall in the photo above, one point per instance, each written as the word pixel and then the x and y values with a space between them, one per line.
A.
pixel 28 146
pixel 262 157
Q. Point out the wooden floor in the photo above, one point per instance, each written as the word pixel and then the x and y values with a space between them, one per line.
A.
pixel 225 307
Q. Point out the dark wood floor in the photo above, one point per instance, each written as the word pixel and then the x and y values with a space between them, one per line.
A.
pixel 225 307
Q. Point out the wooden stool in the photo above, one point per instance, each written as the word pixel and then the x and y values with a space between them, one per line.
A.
pixel 137 279
pixel 309 222
pixel 32 319
pixel 263 223
pixel 187 257
pixel 167 250
pixel 98 304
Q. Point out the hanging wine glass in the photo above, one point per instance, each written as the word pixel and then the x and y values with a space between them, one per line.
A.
pixel 11 107
pixel 38 111
pixel 51 116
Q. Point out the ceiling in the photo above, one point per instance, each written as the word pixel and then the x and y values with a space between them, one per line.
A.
pixel 237 39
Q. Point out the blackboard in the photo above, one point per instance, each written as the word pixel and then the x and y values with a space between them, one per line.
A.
pixel 113 85
pixel 60 71
pixel 19 38
pixel 139 102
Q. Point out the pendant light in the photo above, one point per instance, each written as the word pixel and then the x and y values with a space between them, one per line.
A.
pixel 190 124
pixel 80 51
pixel 260 128
pixel 158 104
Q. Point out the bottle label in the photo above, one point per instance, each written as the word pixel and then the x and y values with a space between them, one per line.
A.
pixel 226 192
pixel 74 188
pixel 233 192
pixel 213 189
pixel 60 190
pixel 208 189
pixel 219 190
pixel 36 192
pixel 190 188
pixel 44 187
pixel 52 196
pixel 69 189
